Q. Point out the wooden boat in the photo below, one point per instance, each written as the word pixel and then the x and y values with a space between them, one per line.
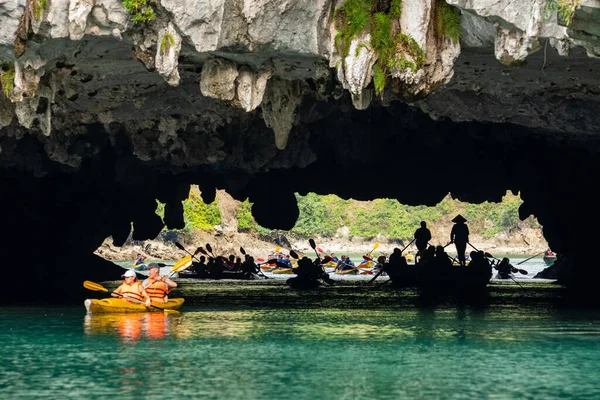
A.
pixel 117 305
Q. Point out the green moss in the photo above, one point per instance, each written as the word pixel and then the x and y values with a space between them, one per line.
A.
pixel 395 9
pixel 447 21
pixel 564 9
pixel 166 43
pixel 38 8
pixel 140 10
pixel 351 19
pixel 381 32
pixel 244 216
pixel 7 78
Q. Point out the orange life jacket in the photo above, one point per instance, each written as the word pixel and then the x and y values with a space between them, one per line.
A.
pixel 156 289
pixel 133 291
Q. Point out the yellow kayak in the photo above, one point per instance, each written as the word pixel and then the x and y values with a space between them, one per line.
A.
pixel 348 272
pixel 115 305
pixel 366 265
pixel 283 271
pixel 410 258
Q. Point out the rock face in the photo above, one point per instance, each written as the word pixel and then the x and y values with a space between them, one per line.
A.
pixel 109 113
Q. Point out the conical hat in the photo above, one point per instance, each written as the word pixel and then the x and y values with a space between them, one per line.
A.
pixel 459 218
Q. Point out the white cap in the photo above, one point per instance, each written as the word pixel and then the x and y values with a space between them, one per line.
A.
pixel 129 272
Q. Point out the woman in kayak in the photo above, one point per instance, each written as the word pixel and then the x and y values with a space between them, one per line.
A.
pixel 132 290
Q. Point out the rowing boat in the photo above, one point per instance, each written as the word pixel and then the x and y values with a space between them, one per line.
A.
pixel 117 305
pixel 287 271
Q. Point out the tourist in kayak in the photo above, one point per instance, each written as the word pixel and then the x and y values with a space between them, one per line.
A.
pixel 158 287
pixel 442 260
pixel 139 261
pixel 504 268
pixel 460 237
pixel 422 238
pixel 132 290
pixel 249 267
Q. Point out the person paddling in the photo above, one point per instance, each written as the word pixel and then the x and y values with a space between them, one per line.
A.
pixel 157 287
pixel 132 290
pixel 504 268
pixel 460 237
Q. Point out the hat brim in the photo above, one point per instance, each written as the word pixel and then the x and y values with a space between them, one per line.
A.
pixel 459 218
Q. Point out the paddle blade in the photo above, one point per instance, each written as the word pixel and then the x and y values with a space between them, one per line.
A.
pixel 148 247
pixel 312 243
pixel 209 247
pixel 182 267
pixel 179 264
pixel 293 254
pixel 488 255
pixel 376 246
pixel 202 251
pixel 326 260
pixel 260 259
pixel 320 250
pixel 179 246
pixel 198 250
pixel 277 249
pixel 242 251
pixel 523 271
pixel 94 286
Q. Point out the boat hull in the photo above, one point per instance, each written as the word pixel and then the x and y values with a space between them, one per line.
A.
pixel 454 279
pixel 114 305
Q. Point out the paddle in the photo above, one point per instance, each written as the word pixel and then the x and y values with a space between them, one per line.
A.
pixel 180 247
pixel 325 277
pixel 522 271
pixel 209 248
pixel 381 271
pixel 409 243
pixel 99 288
pixel 527 259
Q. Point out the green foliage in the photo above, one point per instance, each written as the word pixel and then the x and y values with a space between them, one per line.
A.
pixel 7 79
pixel 196 214
pixel 395 9
pixel 447 21
pixel 409 47
pixel 564 9
pixel 381 32
pixel 351 19
pixel 140 10
pixel 244 217
pixel 38 8
pixel 378 79
pixel 166 43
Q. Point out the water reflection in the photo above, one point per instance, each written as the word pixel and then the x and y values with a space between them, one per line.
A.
pixel 457 325
pixel 131 326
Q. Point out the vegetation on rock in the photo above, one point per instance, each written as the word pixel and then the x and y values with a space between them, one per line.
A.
pixel 197 214
pixel 394 49
pixel 564 9
pixel 140 10
pixel 166 43
pixel 7 79
pixel 447 20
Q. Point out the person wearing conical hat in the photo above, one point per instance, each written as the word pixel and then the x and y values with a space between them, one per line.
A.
pixel 460 237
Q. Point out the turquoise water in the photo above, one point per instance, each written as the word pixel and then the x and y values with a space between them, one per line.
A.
pixel 343 342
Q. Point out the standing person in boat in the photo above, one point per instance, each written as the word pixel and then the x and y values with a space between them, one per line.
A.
pixel 422 238
pixel 131 289
pixel 460 237
pixel 158 287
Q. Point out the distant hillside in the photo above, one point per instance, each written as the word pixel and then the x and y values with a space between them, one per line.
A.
pixel 330 217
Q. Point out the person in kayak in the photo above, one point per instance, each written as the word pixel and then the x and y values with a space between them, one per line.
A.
pixel 157 287
pixel 422 238
pixel 504 268
pixel 460 237
pixel 140 260
pixel 132 290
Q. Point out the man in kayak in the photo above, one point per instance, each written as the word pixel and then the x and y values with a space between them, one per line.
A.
pixel 157 287
pixel 132 290
pixel 460 237
pixel 504 268
pixel 139 261
pixel 422 238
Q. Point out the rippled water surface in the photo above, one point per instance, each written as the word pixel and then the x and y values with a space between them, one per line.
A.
pixel 351 341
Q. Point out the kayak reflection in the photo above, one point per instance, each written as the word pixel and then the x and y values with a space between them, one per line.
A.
pixel 129 326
